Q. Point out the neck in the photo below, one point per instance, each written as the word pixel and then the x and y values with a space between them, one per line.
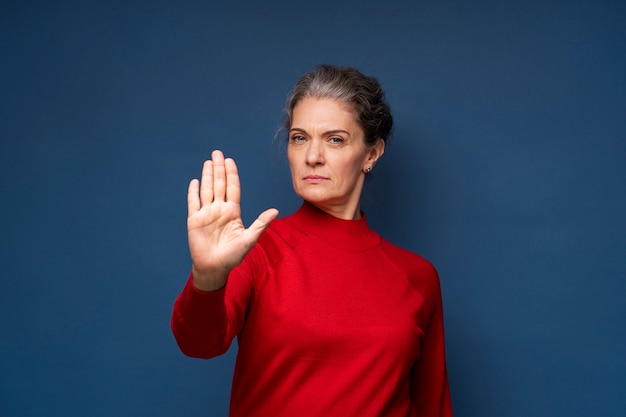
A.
pixel 341 212
pixel 347 234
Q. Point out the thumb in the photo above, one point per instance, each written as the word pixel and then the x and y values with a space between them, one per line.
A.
pixel 260 224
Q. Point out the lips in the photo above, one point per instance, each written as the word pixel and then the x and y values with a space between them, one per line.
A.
pixel 314 179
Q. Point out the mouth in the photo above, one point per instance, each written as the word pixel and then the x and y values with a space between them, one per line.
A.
pixel 314 179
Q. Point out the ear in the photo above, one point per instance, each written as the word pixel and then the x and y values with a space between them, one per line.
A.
pixel 374 153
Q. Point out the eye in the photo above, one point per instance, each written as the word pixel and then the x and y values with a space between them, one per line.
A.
pixel 297 139
pixel 336 140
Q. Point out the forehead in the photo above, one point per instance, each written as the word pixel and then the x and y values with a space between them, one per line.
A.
pixel 323 110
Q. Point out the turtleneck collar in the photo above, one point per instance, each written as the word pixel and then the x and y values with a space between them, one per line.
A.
pixel 353 235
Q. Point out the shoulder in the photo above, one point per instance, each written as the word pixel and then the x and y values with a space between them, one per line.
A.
pixel 277 241
pixel 422 274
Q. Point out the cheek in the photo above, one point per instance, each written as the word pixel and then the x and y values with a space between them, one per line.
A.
pixel 351 170
pixel 290 160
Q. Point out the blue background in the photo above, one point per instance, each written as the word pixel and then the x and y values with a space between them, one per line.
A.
pixel 506 170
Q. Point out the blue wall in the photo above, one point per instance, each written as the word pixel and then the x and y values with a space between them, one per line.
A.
pixel 507 171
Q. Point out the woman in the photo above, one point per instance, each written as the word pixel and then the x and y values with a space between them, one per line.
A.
pixel 331 320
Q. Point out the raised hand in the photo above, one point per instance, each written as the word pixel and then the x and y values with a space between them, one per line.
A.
pixel 218 239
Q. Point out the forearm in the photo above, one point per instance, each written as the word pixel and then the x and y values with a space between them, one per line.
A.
pixel 430 389
pixel 199 322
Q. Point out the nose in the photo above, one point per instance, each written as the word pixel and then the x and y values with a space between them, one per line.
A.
pixel 315 153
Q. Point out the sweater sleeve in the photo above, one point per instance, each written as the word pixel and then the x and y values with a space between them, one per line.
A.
pixel 204 324
pixel 430 392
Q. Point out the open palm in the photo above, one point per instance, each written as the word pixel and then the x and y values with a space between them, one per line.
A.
pixel 218 239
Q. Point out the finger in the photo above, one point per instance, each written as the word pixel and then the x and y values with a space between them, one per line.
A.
pixel 260 224
pixel 206 185
pixel 233 187
pixel 193 199
pixel 219 176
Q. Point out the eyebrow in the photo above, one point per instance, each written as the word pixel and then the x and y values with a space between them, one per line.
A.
pixel 327 133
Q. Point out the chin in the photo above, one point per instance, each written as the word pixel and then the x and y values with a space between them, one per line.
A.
pixel 313 197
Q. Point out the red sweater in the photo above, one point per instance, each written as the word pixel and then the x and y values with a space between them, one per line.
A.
pixel 331 320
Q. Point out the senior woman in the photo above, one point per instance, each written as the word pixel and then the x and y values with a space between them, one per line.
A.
pixel 330 319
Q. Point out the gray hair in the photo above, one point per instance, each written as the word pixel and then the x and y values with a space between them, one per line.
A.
pixel 361 93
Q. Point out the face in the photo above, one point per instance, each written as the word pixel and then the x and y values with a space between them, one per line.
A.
pixel 328 156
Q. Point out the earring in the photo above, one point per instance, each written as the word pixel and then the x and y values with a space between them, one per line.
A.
pixel 368 170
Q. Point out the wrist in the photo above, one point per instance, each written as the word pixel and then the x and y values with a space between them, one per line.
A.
pixel 208 280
